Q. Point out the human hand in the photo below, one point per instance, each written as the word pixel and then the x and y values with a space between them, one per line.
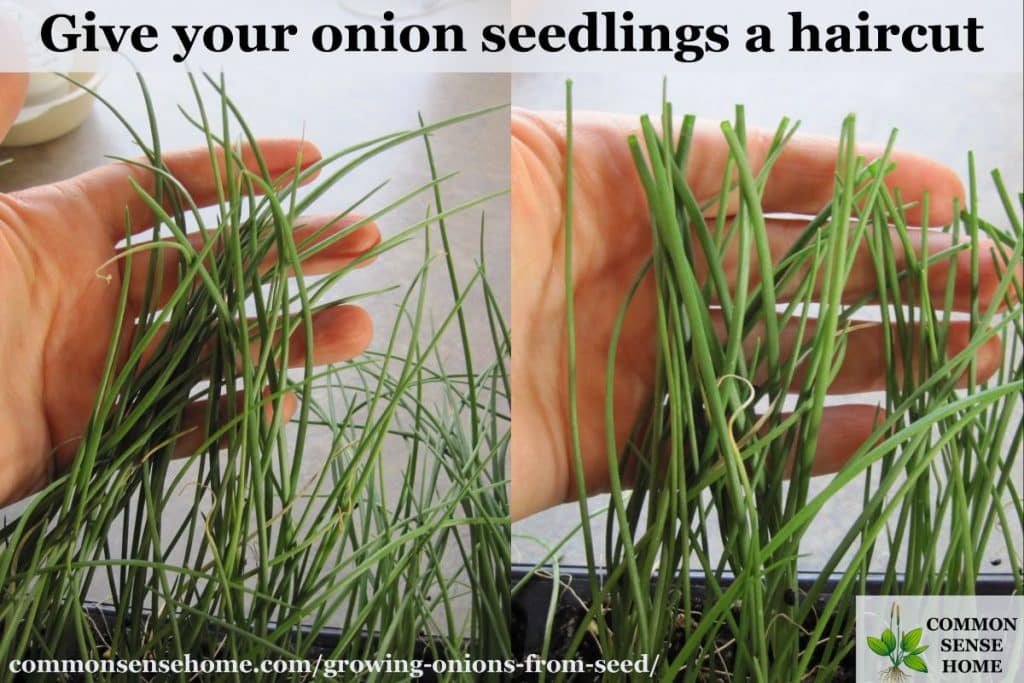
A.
pixel 611 242
pixel 13 87
pixel 57 315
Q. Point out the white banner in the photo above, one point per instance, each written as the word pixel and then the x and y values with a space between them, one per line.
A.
pixel 518 35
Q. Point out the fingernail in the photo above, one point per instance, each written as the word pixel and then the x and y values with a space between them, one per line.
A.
pixel 309 154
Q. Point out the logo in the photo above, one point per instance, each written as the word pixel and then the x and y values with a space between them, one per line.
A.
pixel 902 648
pixel 940 639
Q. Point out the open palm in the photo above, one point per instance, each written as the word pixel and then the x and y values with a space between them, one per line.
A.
pixel 612 241
pixel 59 292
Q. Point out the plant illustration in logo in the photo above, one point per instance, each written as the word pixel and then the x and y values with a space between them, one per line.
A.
pixel 901 648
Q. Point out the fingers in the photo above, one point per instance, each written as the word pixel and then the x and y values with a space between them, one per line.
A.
pixel 843 429
pixel 193 430
pixel 864 366
pixel 340 333
pixel 802 179
pixel 863 277
pixel 316 230
pixel 308 233
pixel 109 191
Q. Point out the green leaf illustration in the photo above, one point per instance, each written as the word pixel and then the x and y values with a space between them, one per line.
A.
pixel 911 639
pixel 918 650
pixel 878 647
pixel 889 638
pixel 916 663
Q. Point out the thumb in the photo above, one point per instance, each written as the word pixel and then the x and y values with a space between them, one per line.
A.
pixel 12 94
pixel 13 59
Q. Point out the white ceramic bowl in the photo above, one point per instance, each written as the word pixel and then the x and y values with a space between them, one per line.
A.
pixel 60 107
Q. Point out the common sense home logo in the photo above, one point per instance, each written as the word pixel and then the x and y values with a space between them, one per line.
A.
pixel 941 638
pixel 902 648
